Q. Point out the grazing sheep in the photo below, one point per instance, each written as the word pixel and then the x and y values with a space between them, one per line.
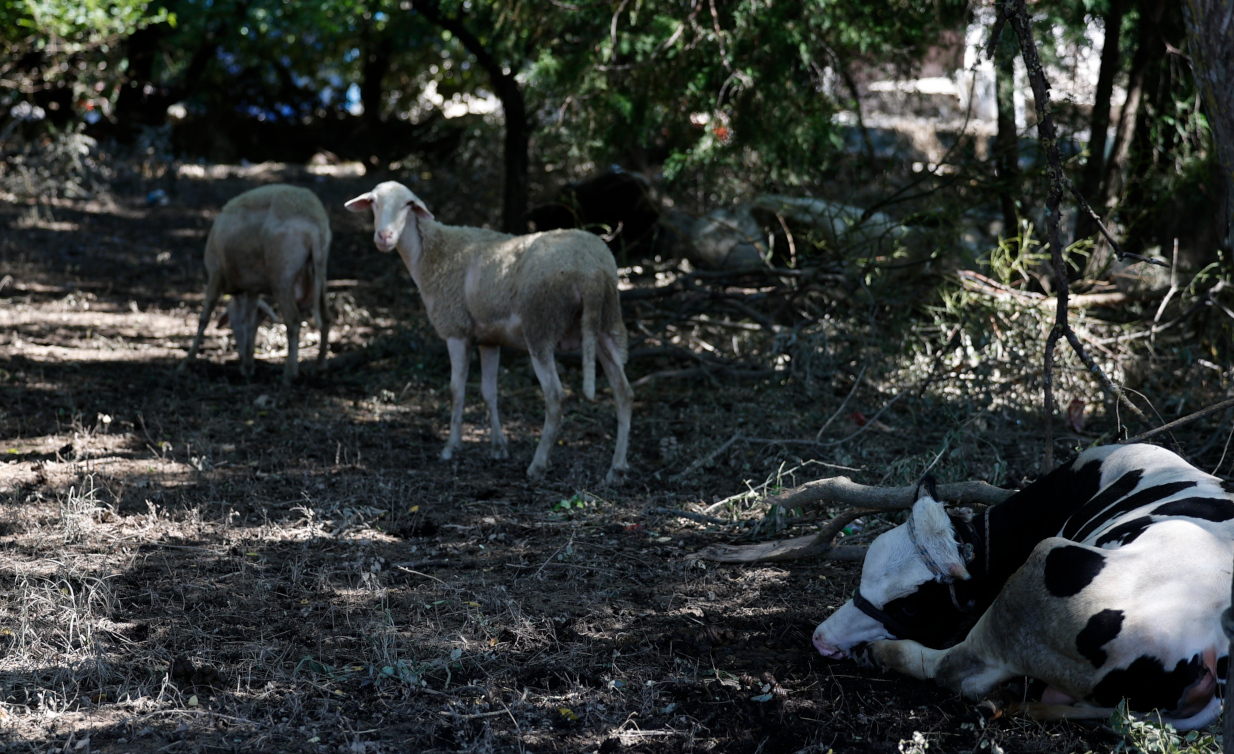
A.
pixel 275 240
pixel 539 293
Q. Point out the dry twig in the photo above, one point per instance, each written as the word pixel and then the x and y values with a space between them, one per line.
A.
pixel 1015 12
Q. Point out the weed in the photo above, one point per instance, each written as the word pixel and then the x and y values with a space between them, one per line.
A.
pixel 1147 736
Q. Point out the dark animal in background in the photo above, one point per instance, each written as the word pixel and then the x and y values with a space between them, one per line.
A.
pixel 1106 579
pixel 272 240
pixel 616 204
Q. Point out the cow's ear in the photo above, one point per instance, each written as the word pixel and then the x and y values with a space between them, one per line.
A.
pixel 936 535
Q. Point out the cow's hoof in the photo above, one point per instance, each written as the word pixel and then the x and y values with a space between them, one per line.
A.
pixel 183 366
pixel 447 453
pixel 863 655
pixel 990 709
pixel 501 452
pixel 536 472
pixel 616 476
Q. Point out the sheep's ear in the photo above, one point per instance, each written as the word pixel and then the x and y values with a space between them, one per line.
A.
pixel 361 203
pixel 420 209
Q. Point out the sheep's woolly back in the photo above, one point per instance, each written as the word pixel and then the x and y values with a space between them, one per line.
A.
pixel 284 200
pixel 270 234
pixel 559 285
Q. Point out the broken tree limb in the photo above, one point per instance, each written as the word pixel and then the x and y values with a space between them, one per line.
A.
pixel 1228 403
pixel 844 491
pixel 840 490
pixel 768 552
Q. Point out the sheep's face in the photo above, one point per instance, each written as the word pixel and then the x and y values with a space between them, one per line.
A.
pixel 393 205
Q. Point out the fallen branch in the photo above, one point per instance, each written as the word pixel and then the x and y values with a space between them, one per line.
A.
pixel 1179 422
pixel 844 491
pixel 977 283
pixel 840 490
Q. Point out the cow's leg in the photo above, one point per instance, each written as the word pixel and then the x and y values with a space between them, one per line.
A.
pixel 964 668
pixel 490 358
pixel 460 356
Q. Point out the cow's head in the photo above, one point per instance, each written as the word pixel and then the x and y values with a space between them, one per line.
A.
pixel 906 585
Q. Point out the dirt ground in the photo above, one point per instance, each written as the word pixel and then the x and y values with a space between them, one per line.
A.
pixel 196 562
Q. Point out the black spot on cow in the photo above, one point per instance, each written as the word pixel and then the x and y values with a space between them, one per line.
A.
pixel 1070 568
pixel 1120 488
pixel 1227 485
pixel 1207 508
pixel 1125 533
pixel 1147 685
pixel 929 616
pixel 1223 668
pixel 1143 498
pixel 1100 630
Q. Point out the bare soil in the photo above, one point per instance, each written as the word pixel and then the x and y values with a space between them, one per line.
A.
pixel 194 562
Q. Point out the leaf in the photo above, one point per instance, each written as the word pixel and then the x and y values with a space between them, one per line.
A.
pixel 193 700
pixel 568 714
pixel 761 698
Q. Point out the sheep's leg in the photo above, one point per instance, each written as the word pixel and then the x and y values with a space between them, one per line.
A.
pixel 545 365
pixel 623 396
pixel 323 326
pixel 460 355
pixel 290 309
pixel 244 310
pixel 214 289
pixel 490 357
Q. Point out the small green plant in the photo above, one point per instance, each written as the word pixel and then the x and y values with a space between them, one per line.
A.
pixel 576 503
pixel 1153 736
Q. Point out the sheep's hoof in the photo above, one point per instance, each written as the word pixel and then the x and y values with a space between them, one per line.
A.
pixel 616 475
pixel 536 473
pixel 447 452
pixel 500 452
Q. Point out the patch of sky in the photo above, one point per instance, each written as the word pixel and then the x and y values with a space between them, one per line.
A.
pixel 354 106
pixel 351 54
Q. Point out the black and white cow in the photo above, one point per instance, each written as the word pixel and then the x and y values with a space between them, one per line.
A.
pixel 1106 579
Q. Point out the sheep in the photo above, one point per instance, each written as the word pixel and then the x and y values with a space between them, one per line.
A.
pixel 538 293
pixel 276 240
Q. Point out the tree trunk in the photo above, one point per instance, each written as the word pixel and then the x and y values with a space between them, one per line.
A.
pixel 1007 142
pixel 378 52
pixel 518 131
pixel 1149 47
pixel 1090 181
pixel 1210 33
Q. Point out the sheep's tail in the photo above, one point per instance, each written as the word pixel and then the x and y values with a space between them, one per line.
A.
pixel 593 313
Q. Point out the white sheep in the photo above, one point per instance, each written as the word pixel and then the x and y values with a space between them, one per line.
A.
pixel 274 240
pixel 539 293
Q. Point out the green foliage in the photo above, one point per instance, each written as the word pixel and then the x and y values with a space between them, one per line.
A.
pixel 750 85
pixel 69 44
pixel 1148 737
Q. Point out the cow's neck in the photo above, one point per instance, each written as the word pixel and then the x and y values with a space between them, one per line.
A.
pixel 1011 529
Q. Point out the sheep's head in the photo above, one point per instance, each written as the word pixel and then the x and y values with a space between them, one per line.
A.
pixel 392 203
